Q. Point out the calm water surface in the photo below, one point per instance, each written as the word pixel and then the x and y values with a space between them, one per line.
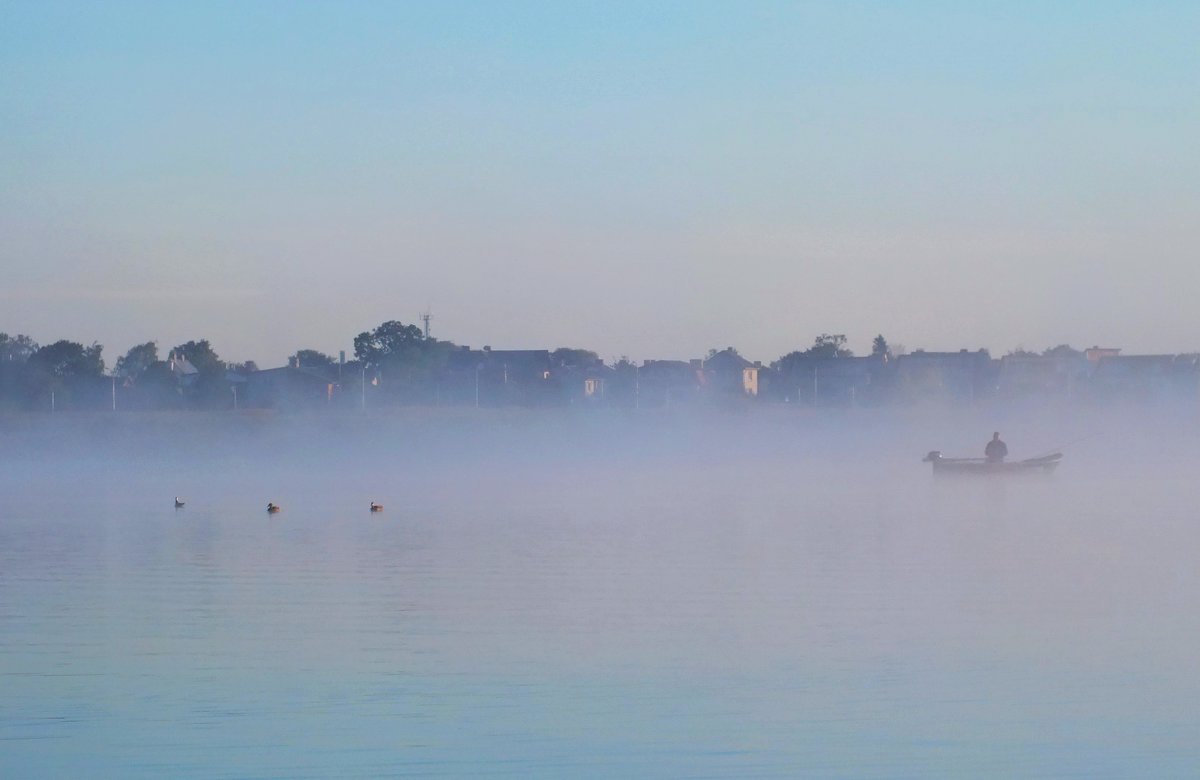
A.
pixel 703 619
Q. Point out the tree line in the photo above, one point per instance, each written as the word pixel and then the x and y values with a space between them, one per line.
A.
pixel 70 375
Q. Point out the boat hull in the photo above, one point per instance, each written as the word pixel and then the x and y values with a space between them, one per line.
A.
pixel 980 467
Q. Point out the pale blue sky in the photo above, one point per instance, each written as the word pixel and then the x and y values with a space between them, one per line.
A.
pixel 649 181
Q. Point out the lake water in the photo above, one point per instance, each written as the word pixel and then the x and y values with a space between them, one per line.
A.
pixel 729 611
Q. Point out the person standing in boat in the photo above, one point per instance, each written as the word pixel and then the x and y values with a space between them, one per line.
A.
pixel 996 450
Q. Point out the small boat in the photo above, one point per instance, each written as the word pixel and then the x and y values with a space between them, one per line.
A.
pixel 942 465
pixel 178 502
pixel 273 509
pixel 376 507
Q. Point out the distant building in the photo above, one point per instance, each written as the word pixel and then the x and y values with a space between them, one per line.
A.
pixel 1042 375
pixel 585 384
pixel 288 387
pixel 459 381
pixel 1095 354
pixel 520 377
pixel 182 369
pixel 947 376
pixel 830 380
pixel 1146 377
pixel 750 380
pixel 663 382
pixel 726 372
pixel 519 365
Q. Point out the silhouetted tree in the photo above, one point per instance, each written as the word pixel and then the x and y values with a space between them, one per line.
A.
pixel 15 376
pixel 69 359
pixel 390 340
pixel 134 362
pixel 1062 351
pixel 16 349
pixel 824 347
pixel 66 371
pixel 407 364
pixel 829 346
pixel 311 358
pixel 209 390
pixel 572 357
pixel 880 348
pixel 201 355
pixel 157 388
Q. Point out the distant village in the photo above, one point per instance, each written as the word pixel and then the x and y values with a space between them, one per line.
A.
pixel 397 364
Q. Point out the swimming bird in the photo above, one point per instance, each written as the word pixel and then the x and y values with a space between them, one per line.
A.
pixel 273 508
pixel 376 507
pixel 178 502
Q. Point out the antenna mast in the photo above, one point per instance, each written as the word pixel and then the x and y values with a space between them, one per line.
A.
pixel 425 318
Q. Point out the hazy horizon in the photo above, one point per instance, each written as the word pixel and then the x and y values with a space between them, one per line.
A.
pixel 860 347
pixel 650 182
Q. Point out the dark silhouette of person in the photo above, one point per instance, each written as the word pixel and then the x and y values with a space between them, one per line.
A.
pixel 996 451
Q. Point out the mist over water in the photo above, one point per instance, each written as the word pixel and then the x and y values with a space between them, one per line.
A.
pixel 776 593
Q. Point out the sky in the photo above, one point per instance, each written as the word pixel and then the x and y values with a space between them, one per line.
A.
pixel 643 179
